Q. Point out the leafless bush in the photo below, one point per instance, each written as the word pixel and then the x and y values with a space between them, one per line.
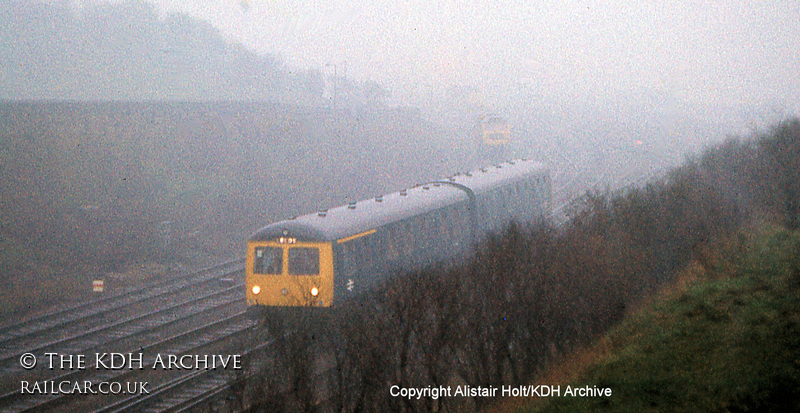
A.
pixel 530 293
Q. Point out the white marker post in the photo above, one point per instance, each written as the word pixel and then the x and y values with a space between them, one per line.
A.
pixel 97 286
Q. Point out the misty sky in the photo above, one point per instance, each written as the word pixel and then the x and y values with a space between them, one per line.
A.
pixel 685 53
pixel 682 71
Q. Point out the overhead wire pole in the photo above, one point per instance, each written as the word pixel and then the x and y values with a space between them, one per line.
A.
pixel 335 81
pixel 336 78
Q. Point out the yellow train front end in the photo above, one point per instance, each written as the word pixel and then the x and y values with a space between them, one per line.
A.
pixel 495 132
pixel 287 272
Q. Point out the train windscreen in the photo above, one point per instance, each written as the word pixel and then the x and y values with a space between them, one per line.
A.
pixel 303 261
pixel 269 260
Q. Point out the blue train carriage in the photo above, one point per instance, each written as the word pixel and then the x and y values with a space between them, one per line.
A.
pixel 321 258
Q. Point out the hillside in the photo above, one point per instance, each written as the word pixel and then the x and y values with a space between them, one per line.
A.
pixel 127 51
pixel 729 340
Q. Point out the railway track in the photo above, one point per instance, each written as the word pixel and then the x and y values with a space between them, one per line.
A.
pixel 12 337
pixel 136 319
pixel 214 337
pixel 185 390
pixel 192 392
pixel 167 317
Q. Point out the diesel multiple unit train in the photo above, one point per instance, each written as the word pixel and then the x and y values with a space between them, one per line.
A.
pixel 319 259
pixel 493 131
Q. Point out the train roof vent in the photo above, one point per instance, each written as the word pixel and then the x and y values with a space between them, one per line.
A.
pixel 351 205
pixel 484 170
pixel 322 213
pixel 379 198
pixel 403 192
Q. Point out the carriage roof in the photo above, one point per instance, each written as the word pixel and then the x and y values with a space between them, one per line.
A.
pixel 357 217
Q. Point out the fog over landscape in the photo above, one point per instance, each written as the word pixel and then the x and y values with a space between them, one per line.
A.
pixel 672 74
pixel 689 53
pixel 204 175
pixel 251 111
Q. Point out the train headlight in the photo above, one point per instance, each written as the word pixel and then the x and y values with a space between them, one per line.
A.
pixel 314 291
pixel 256 289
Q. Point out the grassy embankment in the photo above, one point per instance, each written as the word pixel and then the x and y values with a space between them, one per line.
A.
pixel 534 295
pixel 726 340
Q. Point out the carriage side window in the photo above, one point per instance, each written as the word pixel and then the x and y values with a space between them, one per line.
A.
pixel 269 260
pixel 447 223
pixel 366 251
pixel 392 237
pixel 303 261
pixel 407 234
pixel 431 225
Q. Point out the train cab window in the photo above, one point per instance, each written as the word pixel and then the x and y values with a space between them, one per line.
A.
pixel 391 249
pixel 269 260
pixel 303 261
